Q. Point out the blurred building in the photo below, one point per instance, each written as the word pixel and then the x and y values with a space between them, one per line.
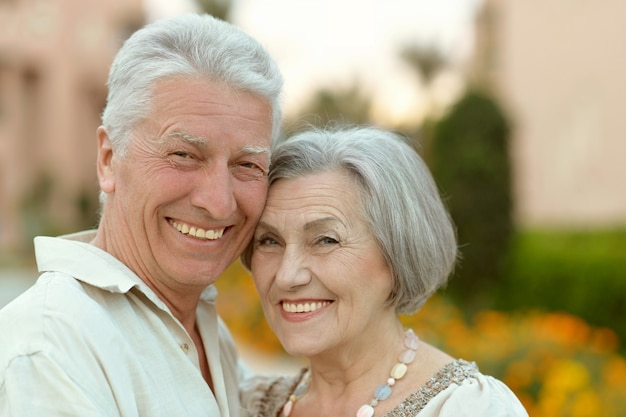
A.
pixel 54 61
pixel 559 66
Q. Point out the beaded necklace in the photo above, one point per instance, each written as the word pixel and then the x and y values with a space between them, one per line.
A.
pixel 381 393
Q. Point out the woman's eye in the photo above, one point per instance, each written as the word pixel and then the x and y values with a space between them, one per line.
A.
pixel 326 240
pixel 266 241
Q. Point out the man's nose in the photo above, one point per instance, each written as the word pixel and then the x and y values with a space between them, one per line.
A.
pixel 215 193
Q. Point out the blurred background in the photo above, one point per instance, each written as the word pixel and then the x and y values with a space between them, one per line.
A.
pixel 516 107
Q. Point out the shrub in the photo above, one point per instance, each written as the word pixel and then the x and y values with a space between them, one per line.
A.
pixel 579 272
pixel 470 163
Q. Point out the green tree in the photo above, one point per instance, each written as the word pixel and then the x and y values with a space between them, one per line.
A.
pixel 470 162
pixel 425 60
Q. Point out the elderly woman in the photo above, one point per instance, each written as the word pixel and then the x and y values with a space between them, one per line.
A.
pixel 354 233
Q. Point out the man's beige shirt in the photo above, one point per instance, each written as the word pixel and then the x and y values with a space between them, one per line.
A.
pixel 91 339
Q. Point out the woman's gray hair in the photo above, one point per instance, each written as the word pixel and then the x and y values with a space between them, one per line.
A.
pixel 399 201
pixel 192 46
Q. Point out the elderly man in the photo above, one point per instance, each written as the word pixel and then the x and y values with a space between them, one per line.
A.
pixel 122 321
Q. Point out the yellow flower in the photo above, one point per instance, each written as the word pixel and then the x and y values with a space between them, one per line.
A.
pixel 566 376
pixel 587 404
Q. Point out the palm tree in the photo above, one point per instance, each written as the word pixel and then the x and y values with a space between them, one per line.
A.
pixel 347 106
pixel 218 8
pixel 427 62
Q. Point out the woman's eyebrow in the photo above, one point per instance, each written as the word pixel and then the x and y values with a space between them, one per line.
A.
pixel 266 227
pixel 322 221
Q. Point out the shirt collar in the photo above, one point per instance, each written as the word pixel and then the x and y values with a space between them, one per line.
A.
pixel 74 255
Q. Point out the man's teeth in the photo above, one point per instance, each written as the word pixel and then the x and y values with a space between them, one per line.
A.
pixel 197 232
pixel 304 307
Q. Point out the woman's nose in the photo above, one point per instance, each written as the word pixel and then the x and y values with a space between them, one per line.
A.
pixel 293 270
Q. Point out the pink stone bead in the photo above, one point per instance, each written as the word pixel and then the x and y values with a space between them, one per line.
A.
pixel 366 410
pixel 287 409
pixel 408 356
pixel 411 340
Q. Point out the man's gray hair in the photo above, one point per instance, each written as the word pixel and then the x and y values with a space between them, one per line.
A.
pixel 196 46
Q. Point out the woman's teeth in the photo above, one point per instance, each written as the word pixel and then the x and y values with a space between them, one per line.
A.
pixel 304 307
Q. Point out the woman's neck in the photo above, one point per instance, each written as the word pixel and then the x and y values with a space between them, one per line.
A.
pixel 345 379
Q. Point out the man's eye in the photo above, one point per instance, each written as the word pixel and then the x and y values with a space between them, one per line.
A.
pixel 182 154
pixel 255 167
pixel 249 171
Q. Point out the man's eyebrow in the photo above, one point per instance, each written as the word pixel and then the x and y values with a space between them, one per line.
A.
pixel 194 140
pixel 202 141
pixel 251 149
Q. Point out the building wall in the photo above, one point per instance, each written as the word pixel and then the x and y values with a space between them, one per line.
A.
pixel 560 65
pixel 54 61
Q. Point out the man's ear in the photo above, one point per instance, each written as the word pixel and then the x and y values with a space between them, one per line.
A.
pixel 106 174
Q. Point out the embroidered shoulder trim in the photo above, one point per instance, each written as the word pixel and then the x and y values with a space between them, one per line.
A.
pixel 453 373
pixel 277 394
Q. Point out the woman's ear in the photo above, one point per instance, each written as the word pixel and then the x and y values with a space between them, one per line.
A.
pixel 106 174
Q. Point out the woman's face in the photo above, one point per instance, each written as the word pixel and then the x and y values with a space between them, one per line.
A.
pixel 322 279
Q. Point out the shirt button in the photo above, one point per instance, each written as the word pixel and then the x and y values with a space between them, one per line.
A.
pixel 184 347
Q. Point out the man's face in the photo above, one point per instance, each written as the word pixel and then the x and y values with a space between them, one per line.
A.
pixel 185 199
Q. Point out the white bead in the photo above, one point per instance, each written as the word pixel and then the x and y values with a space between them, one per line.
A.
pixel 366 410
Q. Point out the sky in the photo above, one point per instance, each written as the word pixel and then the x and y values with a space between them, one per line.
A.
pixel 334 43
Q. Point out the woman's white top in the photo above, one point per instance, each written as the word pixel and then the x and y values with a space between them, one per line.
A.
pixel 457 390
